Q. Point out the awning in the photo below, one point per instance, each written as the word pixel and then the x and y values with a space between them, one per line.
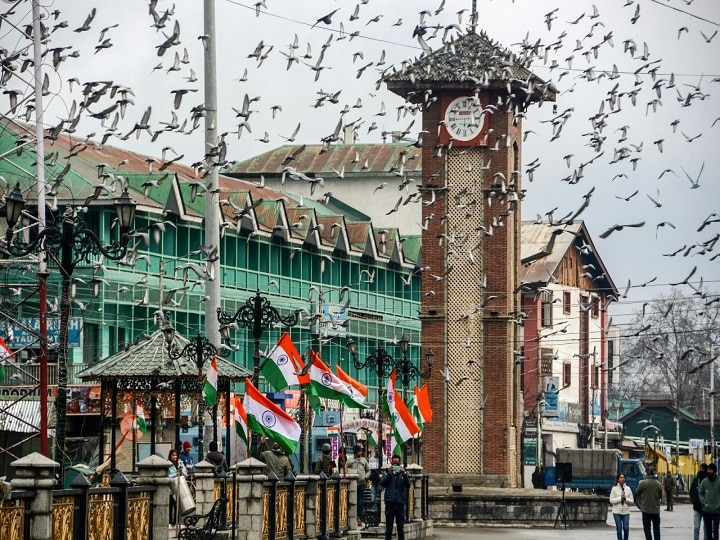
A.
pixel 23 416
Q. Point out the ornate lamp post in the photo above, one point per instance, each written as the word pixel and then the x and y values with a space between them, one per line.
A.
pixel 199 350
pixel 382 364
pixel 258 315
pixel 407 370
pixel 71 239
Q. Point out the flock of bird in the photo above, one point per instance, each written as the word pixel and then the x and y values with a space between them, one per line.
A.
pixel 593 60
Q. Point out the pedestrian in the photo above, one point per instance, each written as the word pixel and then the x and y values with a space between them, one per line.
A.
pixel 649 496
pixel 277 462
pixel 621 498
pixel 359 464
pixel 375 479
pixel 538 478
pixel 669 485
pixel 695 500
pixel 186 457
pixel 396 483
pixel 709 495
pixel 217 459
pixel 220 467
pixel 176 468
pixel 325 463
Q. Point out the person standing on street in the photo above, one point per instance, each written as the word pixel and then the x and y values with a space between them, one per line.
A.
pixel 621 498
pixel 669 485
pixel 277 462
pixel 649 495
pixel 396 483
pixel 358 464
pixel 186 457
pixel 709 495
pixel 695 500
pixel 325 462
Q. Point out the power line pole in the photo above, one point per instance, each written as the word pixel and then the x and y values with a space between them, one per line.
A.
pixel 212 218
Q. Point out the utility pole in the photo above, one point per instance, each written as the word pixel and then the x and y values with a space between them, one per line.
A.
pixel 212 218
pixel 42 265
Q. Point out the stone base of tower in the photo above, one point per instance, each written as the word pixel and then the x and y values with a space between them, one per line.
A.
pixel 465 481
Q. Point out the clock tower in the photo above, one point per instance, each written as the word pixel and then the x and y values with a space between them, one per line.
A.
pixel 474 95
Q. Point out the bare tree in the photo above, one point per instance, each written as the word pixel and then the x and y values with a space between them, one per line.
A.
pixel 668 351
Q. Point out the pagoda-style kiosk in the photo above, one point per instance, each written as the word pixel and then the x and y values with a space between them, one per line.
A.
pixel 147 379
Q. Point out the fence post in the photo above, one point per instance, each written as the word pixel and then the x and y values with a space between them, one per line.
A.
pixel 272 510
pixel 154 471
pixel 36 473
pixel 290 478
pixel 83 506
pixel 415 472
pixel 249 501
pixel 336 521
pixel 322 482
pixel 121 512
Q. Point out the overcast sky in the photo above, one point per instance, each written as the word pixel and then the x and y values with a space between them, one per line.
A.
pixel 672 44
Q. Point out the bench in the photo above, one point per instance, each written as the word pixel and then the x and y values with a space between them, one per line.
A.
pixel 191 530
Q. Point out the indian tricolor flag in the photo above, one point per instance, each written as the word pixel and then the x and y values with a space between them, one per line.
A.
pixel 210 385
pixel 419 406
pixel 266 418
pixel 282 363
pixel 241 427
pixel 333 431
pixel 140 418
pixel 401 419
pixel 359 389
pixel 5 354
pixel 325 384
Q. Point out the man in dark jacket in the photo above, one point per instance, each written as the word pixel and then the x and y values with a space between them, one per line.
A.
pixel 709 495
pixel 325 462
pixel 396 483
pixel 649 496
pixel 669 485
pixel 695 500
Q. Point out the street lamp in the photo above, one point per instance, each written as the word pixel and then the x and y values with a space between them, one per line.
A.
pixel 407 370
pixel 382 364
pixel 69 237
pixel 199 350
pixel 258 314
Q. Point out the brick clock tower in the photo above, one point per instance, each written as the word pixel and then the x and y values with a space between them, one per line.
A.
pixel 473 95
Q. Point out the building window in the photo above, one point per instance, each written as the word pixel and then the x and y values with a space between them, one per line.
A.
pixel 546 358
pixel 595 377
pixel 566 302
pixel 595 308
pixel 567 374
pixel 546 309
pixel 610 360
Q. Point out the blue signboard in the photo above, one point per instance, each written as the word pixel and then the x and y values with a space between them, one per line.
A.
pixel 26 331
pixel 551 397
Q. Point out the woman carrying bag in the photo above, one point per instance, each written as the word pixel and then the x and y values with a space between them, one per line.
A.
pixel 178 475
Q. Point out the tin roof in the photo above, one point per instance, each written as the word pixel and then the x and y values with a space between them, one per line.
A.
pixel 472 62
pixel 370 159
pixel 149 360
pixel 543 248
pixel 23 415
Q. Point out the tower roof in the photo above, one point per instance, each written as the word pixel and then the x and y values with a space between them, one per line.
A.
pixel 473 62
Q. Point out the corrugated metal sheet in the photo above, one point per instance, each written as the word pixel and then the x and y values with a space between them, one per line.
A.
pixel 22 416
pixel 369 159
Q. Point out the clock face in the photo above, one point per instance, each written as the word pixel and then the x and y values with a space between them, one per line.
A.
pixel 464 118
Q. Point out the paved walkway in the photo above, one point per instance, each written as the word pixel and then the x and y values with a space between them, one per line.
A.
pixel 676 525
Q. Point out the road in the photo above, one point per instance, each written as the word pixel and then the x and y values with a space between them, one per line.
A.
pixel 676 525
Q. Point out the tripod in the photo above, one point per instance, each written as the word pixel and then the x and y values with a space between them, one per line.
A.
pixel 562 514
